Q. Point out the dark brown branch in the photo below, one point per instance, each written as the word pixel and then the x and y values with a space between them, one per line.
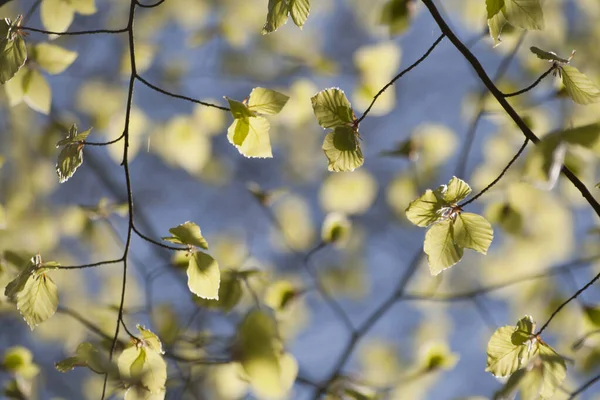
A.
pixel 158 3
pixel 92 265
pixel 534 84
pixel 75 33
pixel 156 243
pixel 105 143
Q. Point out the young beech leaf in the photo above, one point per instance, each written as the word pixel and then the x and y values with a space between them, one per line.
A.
pixel 56 15
pixel 455 191
pixel 548 55
pixel 511 347
pixel 230 293
pixel 496 24
pixel 52 58
pixel 18 360
pixel 336 228
pixel 342 149
pixel 424 211
pixel 85 356
pixel 442 252
pixel 277 15
pixel 579 87
pixel 149 339
pixel 71 156
pixel 239 109
pixel 266 101
pixel 251 137
pixel 299 10
pixel 396 14
pixel 525 14
pixel 332 108
pixel 473 232
pixel 189 234
pixel 38 94
pixel 493 7
pixel 203 275
pixel 143 367
pixel 436 356
pixel 13 51
pixel 279 294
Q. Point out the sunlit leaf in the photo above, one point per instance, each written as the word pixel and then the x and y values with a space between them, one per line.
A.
pixel 332 108
pixel 84 7
pixel 442 252
pixel 187 233
pixel 279 294
pixel 266 101
pixel 277 15
pixel 299 10
pixel 150 340
pixel 525 14
pixel 14 87
pixel 579 87
pixel 239 109
pixel 13 51
pixel 336 228
pixel 141 365
pixel 511 347
pixel 342 149
pixel 38 94
pixel 86 355
pixel 57 15
pixel 455 191
pixel 230 292
pixel 69 159
pixel 436 356
pixel 493 7
pixel 251 137
pixel 18 360
pixel 548 55
pixel 473 232
pixel 203 276
pixel 38 299
pixel 496 24
pixel 52 58
pixel 424 211
pixel 396 14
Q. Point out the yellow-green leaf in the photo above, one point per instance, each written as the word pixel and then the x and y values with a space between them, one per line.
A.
pixel 230 293
pixel 473 232
pixel 579 87
pixel 13 51
pixel 18 360
pixel 493 7
pixel 150 340
pixel 496 24
pixel 38 299
pixel 239 109
pixel 38 94
pixel 69 159
pixel 455 191
pixel 187 233
pixel 250 135
pixel 336 228
pixel 332 108
pixel 525 14
pixel 342 149
pixel 548 55
pixel 85 355
pixel 144 367
pixel 442 252
pixel 424 211
pixel 14 87
pixel 57 15
pixel 52 58
pixel 84 7
pixel 266 101
pixel 203 276
pixel 511 347
pixel 299 10
pixel 277 15
pixel 396 14
pixel 279 294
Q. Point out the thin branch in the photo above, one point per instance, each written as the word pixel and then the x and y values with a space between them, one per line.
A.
pixel 92 265
pixel 402 73
pixel 79 318
pixel 156 243
pixel 502 101
pixel 178 96
pixel 158 3
pixel 534 84
pixel 584 387
pixel 105 143
pixel 75 33
pixel 488 187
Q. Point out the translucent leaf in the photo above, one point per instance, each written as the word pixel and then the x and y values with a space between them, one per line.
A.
pixel 279 294
pixel 203 276
pixel 456 190
pixel 38 94
pixel 14 87
pixel 493 7
pixel 525 14
pixel 332 108
pixel 86 355
pixel 52 58
pixel 579 87
pixel 438 356
pixel 84 7
pixel 496 24
pixel 187 233
pixel 13 52
pixel 140 393
pixel 266 101
pixel 587 135
pixel 145 367
pixel 299 10
pixel 548 55
pixel 230 293
pixel 342 149
pixel 150 339
pixel 510 348
pixel 336 228
pixel 473 232
pixel 69 159
pixel 38 299
pixel 424 211
pixel 57 15
pixel 553 370
pixel 239 109
pixel 251 137
pixel 442 252
pixel 396 15
pixel 277 16
pixel 18 360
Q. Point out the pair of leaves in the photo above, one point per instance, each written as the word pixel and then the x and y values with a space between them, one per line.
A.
pixel 142 366
pixel 525 14
pixel 279 10
pixel 34 292
pixel 533 367
pixel 451 229
pixel 249 132
pixel 341 146
pixel 577 85
pixel 57 15
pixel 203 273
pixel 269 369
pixel 71 155
pixel 13 52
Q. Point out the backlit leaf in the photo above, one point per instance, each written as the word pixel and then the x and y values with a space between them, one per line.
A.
pixel 203 276
pixel 336 228
pixel 299 10
pixel 473 232
pixel 548 55
pixel 332 108
pixel 525 14
pixel 250 135
pixel 496 24
pixel 579 87
pixel 69 159
pixel 266 101
pixel 277 15
pixel 187 233
pixel 493 7
pixel 13 52
pixel 57 15
pixel 52 58
pixel 85 355
pixel 396 14
pixel 442 252
pixel 230 293
pixel 342 149
pixel 84 7
pixel 239 109
pixel 511 347
pixel 424 211
pixel 38 299
pixel 38 94
pixel 143 366
pixel 456 190
pixel 150 340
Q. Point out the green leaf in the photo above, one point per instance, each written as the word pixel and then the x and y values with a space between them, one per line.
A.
pixel 525 14
pixel 14 87
pixel 473 232
pixel 280 294
pixel 251 137
pixel 342 149
pixel 579 87
pixel 13 51
pixel 86 355
pixel 69 159
pixel 511 347
pixel 239 109
pixel 493 7
pixel 299 10
pixel 84 7
pixel 396 14
pixel 455 191
pixel 150 340
pixel 266 101
pixel 54 59
pixel 38 94
pixel 587 135
pixel 203 276
pixel 548 55
pixel 37 300
pixel 143 366
pixel 442 252
pixel 230 293
pixel 18 360
pixel 424 211
pixel 496 24
pixel 57 15
pixel 552 369
pixel 332 108
pixel 277 16
pixel 438 356
pixel 187 233
pixel 336 228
